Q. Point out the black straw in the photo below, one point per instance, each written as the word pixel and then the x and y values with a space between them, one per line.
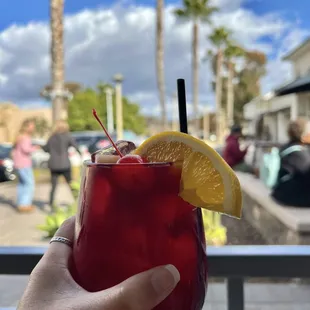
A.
pixel 182 105
pixel 183 128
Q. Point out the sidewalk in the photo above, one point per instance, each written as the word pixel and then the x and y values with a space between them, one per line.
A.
pixel 20 229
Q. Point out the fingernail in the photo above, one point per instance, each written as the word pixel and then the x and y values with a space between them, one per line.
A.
pixel 165 279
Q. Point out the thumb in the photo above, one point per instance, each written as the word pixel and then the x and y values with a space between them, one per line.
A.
pixel 143 291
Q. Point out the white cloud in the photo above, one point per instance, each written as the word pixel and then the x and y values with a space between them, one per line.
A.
pixel 291 40
pixel 278 71
pixel 227 5
pixel 102 42
pixel 33 104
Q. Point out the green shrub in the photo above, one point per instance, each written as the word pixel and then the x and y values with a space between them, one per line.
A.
pixel 75 188
pixel 215 232
pixel 53 221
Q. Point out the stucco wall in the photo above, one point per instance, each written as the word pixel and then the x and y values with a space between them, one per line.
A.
pixel 15 117
pixel 302 65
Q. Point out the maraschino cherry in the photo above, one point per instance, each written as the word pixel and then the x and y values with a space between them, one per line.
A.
pixel 130 159
pixel 124 159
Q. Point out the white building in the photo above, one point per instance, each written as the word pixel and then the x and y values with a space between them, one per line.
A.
pixel 287 103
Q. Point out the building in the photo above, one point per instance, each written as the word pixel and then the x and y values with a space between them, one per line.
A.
pixel 275 109
pixel 11 118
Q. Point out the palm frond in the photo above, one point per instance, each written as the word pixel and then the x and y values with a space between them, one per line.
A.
pixel 181 13
pixel 219 36
pixel 209 55
pixel 233 50
pixel 210 10
pixel 196 9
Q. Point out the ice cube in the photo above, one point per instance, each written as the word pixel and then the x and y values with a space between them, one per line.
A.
pixel 106 159
pixel 125 147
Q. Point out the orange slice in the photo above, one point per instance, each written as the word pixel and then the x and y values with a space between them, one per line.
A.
pixel 207 181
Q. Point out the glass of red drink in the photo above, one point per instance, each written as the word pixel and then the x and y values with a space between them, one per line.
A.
pixel 131 219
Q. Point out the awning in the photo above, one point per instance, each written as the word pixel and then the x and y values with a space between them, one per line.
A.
pixel 299 85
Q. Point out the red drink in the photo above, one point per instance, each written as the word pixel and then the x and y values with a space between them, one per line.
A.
pixel 131 219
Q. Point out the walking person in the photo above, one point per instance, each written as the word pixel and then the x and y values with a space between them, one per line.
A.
pixel 21 155
pixel 59 162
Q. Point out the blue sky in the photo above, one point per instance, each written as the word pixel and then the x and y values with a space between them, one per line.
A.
pixel 274 26
pixel 23 11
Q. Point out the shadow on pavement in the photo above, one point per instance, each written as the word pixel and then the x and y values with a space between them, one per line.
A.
pixel 11 203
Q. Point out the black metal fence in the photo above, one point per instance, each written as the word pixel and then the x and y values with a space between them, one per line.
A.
pixel 235 263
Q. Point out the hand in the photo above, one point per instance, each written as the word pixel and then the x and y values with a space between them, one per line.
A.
pixel 51 286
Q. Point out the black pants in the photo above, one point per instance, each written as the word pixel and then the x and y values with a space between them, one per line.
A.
pixel 54 180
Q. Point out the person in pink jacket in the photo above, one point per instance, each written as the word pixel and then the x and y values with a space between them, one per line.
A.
pixel 21 155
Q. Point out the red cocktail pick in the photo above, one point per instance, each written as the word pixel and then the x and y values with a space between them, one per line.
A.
pixel 106 132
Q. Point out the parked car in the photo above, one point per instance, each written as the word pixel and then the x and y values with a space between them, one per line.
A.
pixel 95 140
pixel 6 163
pixel 40 158
pixel 136 139
pixel 92 140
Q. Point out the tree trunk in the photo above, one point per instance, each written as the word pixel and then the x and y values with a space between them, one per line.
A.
pixel 218 95
pixel 160 61
pixel 57 57
pixel 195 68
pixel 230 94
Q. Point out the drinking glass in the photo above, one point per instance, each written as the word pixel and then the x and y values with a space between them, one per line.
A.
pixel 131 219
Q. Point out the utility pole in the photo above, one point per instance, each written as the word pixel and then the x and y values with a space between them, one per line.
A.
pixel 108 95
pixel 206 125
pixel 118 79
pixel 230 95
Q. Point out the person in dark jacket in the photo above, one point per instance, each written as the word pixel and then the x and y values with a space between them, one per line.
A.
pixel 59 162
pixel 293 185
pixel 232 153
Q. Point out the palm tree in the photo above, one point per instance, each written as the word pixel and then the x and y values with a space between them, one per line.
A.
pixel 160 61
pixel 70 87
pixel 231 52
pixel 219 38
pixel 69 90
pixel 57 56
pixel 197 11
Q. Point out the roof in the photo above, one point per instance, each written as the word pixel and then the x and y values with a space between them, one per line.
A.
pixel 300 49
pixel 259 98
pixel 299 85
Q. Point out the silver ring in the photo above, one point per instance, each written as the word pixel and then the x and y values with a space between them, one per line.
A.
pixel 62 240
